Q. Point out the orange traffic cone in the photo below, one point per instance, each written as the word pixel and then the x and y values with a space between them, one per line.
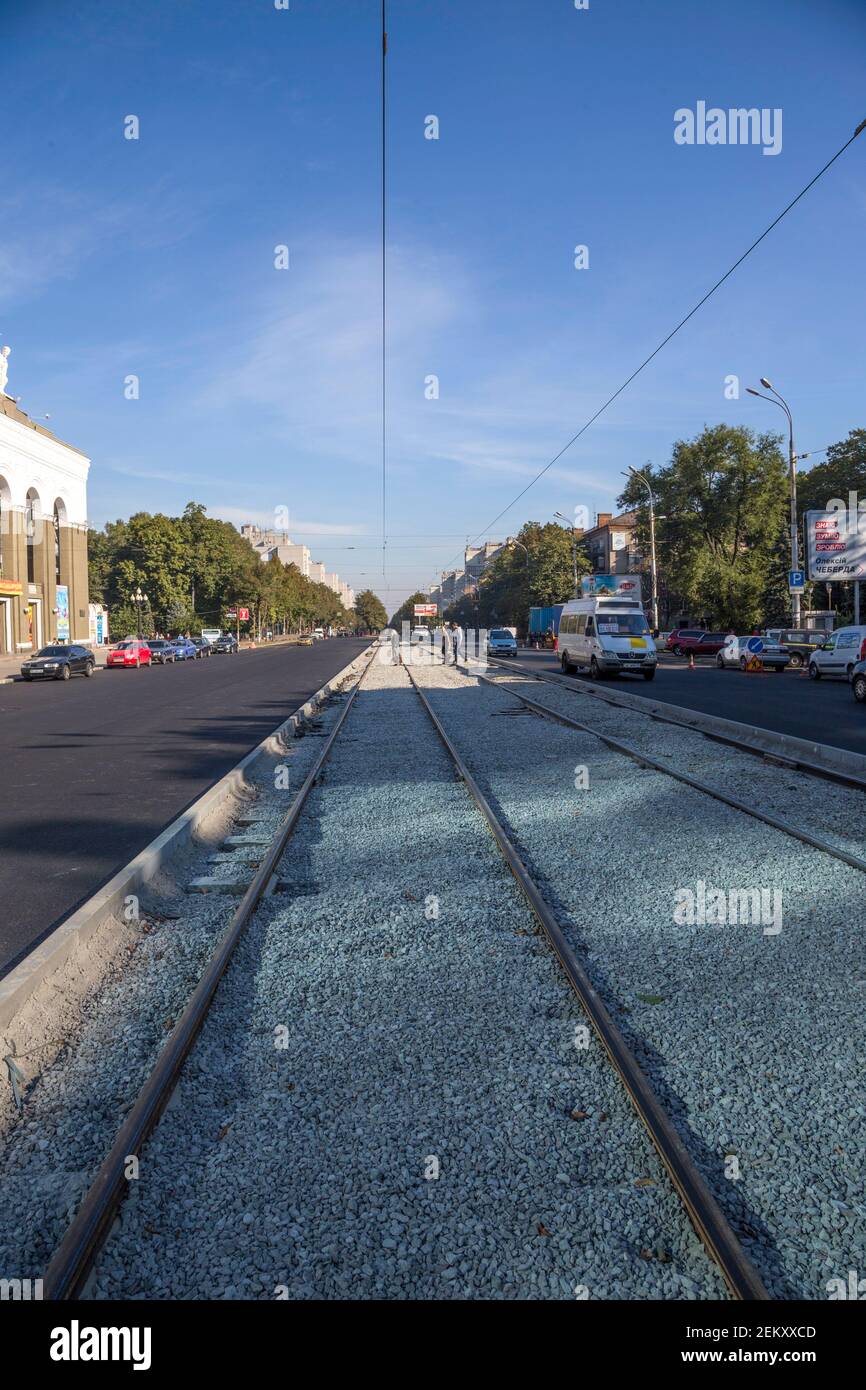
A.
pixel 692 666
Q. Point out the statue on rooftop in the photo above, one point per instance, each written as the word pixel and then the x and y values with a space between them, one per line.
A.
pixel 4 368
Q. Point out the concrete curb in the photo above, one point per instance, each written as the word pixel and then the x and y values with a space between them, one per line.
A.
pixel 52 953
pixel 788 747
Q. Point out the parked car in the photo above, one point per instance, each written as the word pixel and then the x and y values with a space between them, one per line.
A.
pixel 672 640
pixel 858 682
pixel 838 656
pixel 183 649
pixel 688 639
pixel 801 642
pixel 131 652
pixel 162 652
pixel 59 663
pixel 227 644
pixel 202 646
pixel 501 642
pixel 773 655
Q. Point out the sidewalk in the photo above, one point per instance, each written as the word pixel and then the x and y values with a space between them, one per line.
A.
pixel 10 666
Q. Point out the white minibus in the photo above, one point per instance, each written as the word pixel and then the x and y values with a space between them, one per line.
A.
pixel 606 636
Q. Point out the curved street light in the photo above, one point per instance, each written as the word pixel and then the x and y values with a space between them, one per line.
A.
pixel 573 549
pixel 779 400
pixel 655 584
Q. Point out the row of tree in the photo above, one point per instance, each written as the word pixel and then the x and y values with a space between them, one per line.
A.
pixel 723 524
pixel 722 538
pixel 194 569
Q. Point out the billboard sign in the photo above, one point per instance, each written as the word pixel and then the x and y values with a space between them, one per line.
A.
pixel 62 610
pixel 613 585
pixel 836 546
pixel 244 615
pixel 426 610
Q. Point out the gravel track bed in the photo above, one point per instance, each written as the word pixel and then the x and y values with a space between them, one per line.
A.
pixel 397 1009
pixel 835 812
pixel 755 1042
pixel 73 1110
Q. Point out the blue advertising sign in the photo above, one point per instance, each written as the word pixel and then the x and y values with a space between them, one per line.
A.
pixel 62 612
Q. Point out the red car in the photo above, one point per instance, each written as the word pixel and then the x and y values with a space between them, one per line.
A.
pixel 132 652
pixel 689 639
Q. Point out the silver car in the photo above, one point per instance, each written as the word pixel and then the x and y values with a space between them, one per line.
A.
pixel 737 652
pixel 501 642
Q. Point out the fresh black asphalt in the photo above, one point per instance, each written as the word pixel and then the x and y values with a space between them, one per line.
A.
pixel 92 770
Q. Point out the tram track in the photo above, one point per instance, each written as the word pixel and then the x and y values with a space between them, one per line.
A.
pixel 68 1271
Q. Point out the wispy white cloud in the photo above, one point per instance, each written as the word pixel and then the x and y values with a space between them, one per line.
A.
pixel 297 526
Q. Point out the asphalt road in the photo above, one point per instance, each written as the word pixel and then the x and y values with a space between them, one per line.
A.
pixel 824 711
pixel 93 770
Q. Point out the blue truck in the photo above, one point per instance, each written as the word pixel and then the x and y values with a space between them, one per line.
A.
pixel 543 621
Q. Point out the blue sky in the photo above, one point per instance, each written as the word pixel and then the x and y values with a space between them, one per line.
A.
pixel 260 388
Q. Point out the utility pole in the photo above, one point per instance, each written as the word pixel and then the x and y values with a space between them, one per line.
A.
pixel 655 579
pixel 780 401
pixel 573 551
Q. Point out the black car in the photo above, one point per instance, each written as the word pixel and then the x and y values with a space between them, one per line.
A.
pixel 801 642
pixel 162 652
pixel 202 646
pixel 59 663
pixel 226 643
pixel 858 682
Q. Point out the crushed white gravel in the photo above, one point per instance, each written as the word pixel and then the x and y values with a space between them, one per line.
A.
pixel 387 1100
pixel 754 1037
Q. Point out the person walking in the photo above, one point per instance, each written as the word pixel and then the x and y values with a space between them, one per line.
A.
pixel 457 642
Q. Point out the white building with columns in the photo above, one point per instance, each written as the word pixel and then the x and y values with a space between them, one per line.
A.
pixel 43 535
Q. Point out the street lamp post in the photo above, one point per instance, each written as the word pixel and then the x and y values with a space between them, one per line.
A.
pixel 573 549
pixel 776 399
pixel 138 599
pixel 655 582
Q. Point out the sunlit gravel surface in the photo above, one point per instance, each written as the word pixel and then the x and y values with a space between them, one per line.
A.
pixel 387 1100
pixel 755 1041
pixel 73 1111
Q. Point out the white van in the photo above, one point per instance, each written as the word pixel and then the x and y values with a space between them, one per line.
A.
pixel 839 654
pixel 606 635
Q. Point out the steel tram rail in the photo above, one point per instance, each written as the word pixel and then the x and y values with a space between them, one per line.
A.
pixel 647 760
pixel 703 1210
pixel 792 760
pixel 72 1260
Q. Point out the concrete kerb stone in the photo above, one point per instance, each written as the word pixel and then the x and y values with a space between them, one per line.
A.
pixel 788 747
pixel 52 954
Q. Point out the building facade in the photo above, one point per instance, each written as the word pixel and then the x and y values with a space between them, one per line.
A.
pixel 610 544
pixel 43 536
pixel 277 543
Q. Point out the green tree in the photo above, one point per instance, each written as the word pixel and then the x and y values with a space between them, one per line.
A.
pixel 405 613
pixel 536 569
pixel 720 529
pixel 370 611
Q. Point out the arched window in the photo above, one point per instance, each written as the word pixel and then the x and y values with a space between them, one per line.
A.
pixel 30 523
